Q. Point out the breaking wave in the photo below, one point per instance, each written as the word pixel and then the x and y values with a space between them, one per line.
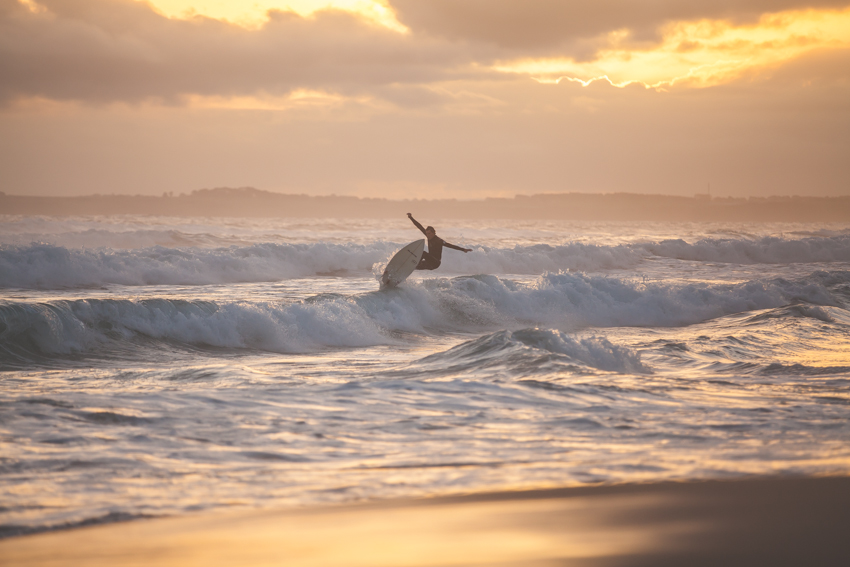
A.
pixel 44 266
pixel 530 351
pixel 47 266
pixel 565 301
pixel 766 250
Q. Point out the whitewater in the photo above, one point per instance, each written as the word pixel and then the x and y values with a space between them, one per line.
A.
pixel 158 366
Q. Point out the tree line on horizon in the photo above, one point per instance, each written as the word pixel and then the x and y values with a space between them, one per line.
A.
pixel 252 202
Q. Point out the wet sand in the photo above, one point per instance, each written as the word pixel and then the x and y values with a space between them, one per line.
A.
pixel 800 521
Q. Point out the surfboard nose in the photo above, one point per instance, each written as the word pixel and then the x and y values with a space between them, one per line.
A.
pixel 402 264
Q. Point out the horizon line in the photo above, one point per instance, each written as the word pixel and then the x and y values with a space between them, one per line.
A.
pixel 223 190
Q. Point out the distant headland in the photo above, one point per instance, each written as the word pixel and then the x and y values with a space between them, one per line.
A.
pixel 250 202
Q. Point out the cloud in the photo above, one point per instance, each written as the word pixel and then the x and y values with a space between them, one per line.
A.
pixel 575 27
pixel 334 103
pixel 771 136
pixel 102 51
pixel 821 69
pixel 255 13
pixel 122 50
pixel 702 53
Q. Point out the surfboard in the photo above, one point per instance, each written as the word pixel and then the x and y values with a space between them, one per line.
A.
pixel 402 264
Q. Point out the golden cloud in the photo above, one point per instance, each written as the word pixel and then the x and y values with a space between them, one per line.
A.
pixel 255 14
pixel 698 53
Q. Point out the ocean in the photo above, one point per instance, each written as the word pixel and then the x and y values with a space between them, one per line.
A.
pixel 161 366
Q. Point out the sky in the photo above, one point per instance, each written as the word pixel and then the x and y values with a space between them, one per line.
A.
pixel 425 98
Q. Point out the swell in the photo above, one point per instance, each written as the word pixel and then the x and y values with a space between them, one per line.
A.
pixel 40 332
pixel 531 352
pixel 34 331
pixel 765 250
pixel 44 266
pixel 47 266
pixel 122 239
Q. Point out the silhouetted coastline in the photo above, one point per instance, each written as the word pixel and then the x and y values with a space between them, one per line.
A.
pixel 250 202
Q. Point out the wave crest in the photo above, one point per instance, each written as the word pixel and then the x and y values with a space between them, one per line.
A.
pixel 525 351
pixel 565 301
pixel 766 250
pixel 46 266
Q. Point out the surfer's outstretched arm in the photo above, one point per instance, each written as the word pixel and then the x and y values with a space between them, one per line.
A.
pixel 419 226
pixel 450 245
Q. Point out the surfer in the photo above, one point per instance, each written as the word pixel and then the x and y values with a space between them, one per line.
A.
pixel 432 258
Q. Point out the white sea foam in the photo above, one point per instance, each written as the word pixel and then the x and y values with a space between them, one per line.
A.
pixel 119 240
pixel 577 300
pixel 518 352
pixel 43 266
pixel 568 301
pixel 82 326
pixel 766 250
pixel 46 266
pixel 595 352
pixel 540 258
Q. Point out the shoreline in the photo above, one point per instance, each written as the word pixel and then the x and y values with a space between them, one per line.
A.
pixel 764 520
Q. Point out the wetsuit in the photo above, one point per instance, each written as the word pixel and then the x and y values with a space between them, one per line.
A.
pixel 433 257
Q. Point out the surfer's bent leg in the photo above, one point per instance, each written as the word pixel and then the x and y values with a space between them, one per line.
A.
pixel 428 262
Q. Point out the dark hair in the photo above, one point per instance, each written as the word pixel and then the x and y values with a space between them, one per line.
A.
pixel 430 228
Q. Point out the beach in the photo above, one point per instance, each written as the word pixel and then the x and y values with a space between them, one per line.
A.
pixel 771 521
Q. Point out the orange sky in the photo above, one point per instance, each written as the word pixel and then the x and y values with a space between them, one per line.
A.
pixel 425 98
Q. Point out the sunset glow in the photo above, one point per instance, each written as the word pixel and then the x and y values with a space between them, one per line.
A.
pixel 391 283
pixel 301 99
pixel 454 96
pixel 32 6
pixel 255 13
pixel 698 54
